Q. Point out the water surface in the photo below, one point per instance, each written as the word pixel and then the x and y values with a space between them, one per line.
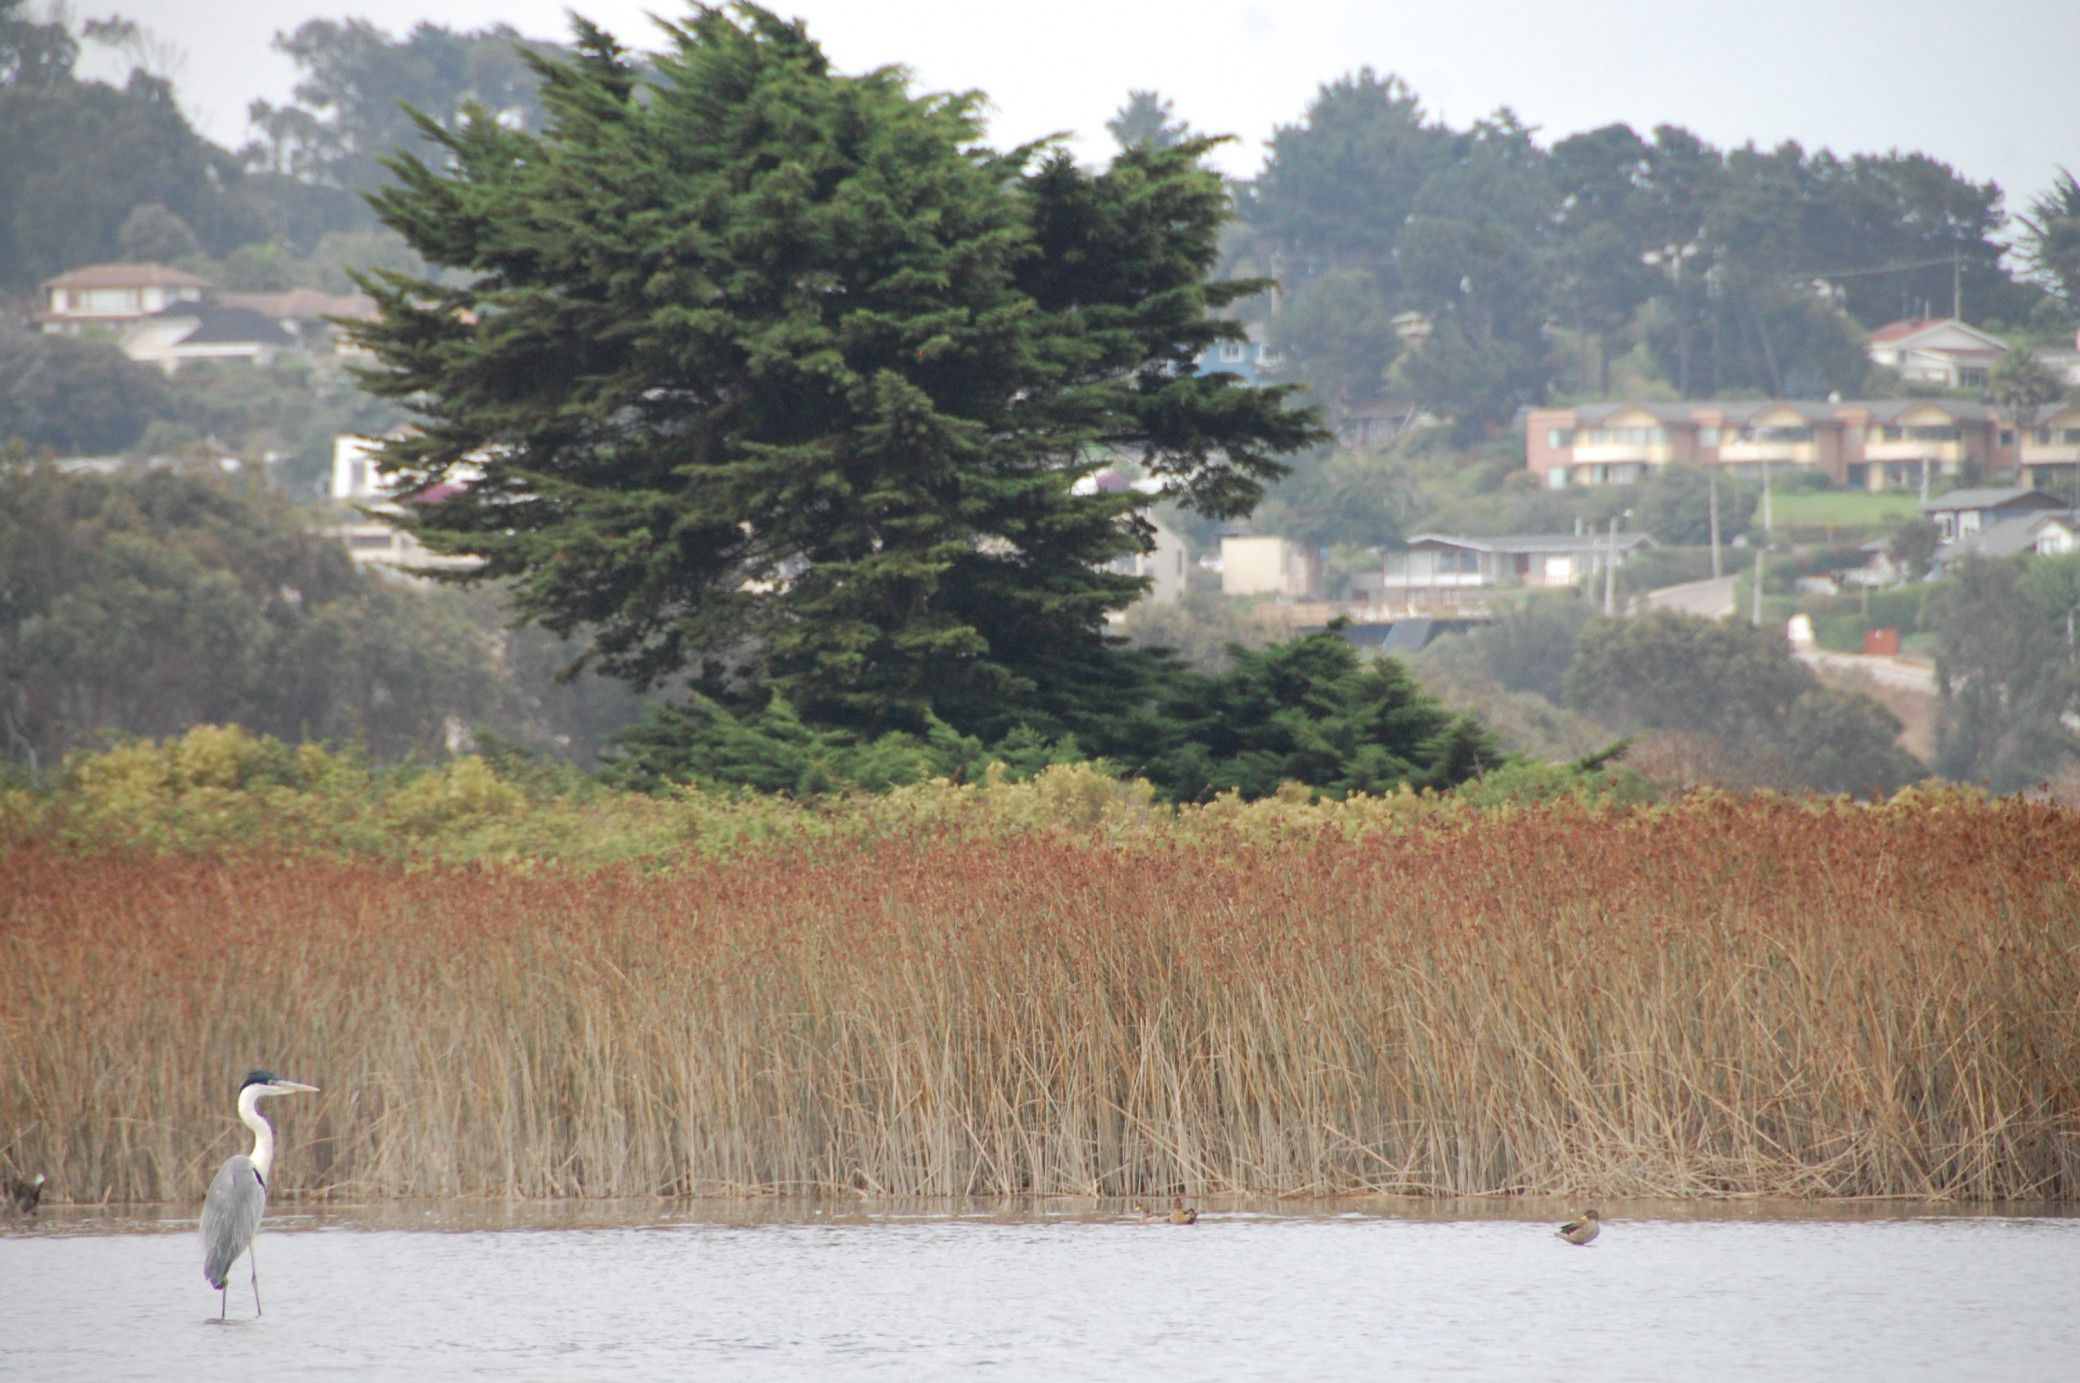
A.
pixel 1053 1290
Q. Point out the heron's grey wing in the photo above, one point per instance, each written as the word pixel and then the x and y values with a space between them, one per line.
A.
pixel 230 1216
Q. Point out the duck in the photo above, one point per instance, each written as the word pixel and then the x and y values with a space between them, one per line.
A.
pixel 1178 1214
pixel 24 1194
pixel 1582 1228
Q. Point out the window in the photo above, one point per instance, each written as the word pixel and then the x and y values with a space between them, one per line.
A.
pixel 1708 436
pixel 1559 438
pixel 1626 436
pixel 1397 564
pixel 1932 434
pixel 1971 377
pixel 1231 352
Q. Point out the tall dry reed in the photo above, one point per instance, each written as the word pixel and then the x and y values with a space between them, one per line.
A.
pixel 1724 997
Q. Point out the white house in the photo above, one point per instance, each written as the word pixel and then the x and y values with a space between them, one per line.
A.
pixel 1937 350
pixel 2056 534
pixel 364 501
pixel 1439 562
pixel 114 295
pixel 1164 566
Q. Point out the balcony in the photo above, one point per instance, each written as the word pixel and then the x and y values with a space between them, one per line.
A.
pixel 2051 453
pixel 1775 450
pixel 1954 451
pixel 1604 453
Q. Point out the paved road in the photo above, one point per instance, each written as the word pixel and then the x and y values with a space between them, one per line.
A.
pixel 1715 597
pixel 1902 673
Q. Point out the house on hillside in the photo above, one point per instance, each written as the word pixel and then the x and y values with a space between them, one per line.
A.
pixel 1962 513
pixel 2055 533
pixel 2031 533
pixel 192 332
pixel 1433 564
pixel 1260 564
pixel 113 297
pixel 366 509
pixel 165 317
pixel 1937 350
pixel 1255 361
pixel 2049 455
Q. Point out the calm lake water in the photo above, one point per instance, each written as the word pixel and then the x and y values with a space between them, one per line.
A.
pixel 1052 1291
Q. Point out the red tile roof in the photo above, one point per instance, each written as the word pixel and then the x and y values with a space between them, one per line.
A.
pixel 125 276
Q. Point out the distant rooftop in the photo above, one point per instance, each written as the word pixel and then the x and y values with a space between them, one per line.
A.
pixel 2005 497
pixel 125 276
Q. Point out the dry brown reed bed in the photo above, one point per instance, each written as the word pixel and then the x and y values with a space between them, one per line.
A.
pixel 1728 997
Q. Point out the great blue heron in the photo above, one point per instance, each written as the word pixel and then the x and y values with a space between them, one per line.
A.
pixel 25 1193
pixel 237 1198
pixel 1581 1229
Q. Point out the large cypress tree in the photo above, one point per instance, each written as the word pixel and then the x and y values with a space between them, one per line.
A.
pixel 780 381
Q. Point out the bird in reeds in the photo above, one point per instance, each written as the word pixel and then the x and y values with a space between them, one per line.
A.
pixel 23 1195
pixel 238 1197
pixel 1582 1228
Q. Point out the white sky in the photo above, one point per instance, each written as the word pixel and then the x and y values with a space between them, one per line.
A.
pixel 1990 86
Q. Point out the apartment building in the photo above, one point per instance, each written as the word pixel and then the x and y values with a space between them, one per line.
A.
pixel 1873 444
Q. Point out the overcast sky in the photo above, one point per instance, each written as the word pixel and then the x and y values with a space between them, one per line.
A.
pixel 1990 86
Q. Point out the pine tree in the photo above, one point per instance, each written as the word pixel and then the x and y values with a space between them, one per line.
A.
pixel 778 380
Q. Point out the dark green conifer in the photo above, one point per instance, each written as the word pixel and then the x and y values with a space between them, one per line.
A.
pixel 779 380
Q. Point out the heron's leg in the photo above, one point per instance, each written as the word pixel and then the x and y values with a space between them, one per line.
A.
pixel 223 1298
pixel 253 1261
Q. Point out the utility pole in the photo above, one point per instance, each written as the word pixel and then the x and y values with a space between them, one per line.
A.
pixel 1610 571
pixel 1713 478
pixel 1957 284
pixel 1758 584
pixel 1767 525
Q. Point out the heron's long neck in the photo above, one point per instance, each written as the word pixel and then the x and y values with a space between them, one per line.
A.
pixel 263 1132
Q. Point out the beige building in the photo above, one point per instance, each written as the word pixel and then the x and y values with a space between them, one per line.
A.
pixel 1262 564
pixel 1866 444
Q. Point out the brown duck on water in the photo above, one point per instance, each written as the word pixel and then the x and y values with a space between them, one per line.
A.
pixel 1180 1213
pixel 23 1195
pixel 1582 1228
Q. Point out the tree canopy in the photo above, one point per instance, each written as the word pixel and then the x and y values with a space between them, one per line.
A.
pixel 81 156
pixel 318 154
pixel 1736 685
pixel 147 604
pixel 1533 268
pixel 779 379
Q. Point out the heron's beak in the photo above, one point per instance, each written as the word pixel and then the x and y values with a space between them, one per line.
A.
pixel 292 1087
